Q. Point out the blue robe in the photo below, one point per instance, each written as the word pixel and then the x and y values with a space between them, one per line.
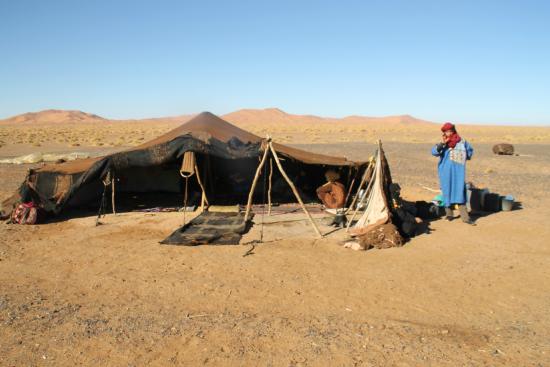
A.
pixel 452 171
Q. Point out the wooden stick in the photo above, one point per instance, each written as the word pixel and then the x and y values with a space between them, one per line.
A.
pixel 373 178
pixel 283 173
pixel 350 188
pixel 254 182
pixel 363 179
pixel 363 198
pixel 113 193
pixel 204 199
pixel 269 189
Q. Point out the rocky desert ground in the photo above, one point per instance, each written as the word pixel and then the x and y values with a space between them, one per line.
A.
pixel 75 294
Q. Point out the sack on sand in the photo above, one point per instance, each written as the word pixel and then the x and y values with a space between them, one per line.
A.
pixel 382 236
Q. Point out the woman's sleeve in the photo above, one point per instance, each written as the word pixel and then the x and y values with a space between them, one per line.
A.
pixel 435 151
pixel 469 151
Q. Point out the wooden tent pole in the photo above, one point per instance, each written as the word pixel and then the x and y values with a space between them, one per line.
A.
pixel 349 190
pixel 269 189
pixel 254 182
pixel 363 179
pixel 363 198
pixel 360 203
pixel 204 199
pixel 113 193
pixel 283 173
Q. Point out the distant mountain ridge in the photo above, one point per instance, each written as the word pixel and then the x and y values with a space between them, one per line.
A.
pixel 239 117
pixel 277 116
pixel 72 116
pixel 53 116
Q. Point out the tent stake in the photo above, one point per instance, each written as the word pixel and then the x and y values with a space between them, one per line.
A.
pixel 269 189
pixel 283 173
pixel 254 182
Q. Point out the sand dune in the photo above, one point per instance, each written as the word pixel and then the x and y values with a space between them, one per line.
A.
pixel 79 117
pixel 53 116
pixel 277 116
pixel 268 116
pixel 57 130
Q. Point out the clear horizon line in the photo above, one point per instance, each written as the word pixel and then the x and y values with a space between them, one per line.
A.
pixel 489 124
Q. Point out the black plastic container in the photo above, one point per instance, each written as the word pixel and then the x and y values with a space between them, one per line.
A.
pixel 492 202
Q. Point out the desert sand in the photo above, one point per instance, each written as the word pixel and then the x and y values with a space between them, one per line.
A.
pixel 75 294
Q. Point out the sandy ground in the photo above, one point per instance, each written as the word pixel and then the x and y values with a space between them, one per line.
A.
pixel 75 294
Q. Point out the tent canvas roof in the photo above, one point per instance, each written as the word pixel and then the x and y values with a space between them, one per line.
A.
pixel 204 127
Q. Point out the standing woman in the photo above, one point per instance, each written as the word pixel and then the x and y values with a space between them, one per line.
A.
pixel 453 152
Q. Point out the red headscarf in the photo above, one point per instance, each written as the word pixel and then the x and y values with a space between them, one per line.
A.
pixel 454 138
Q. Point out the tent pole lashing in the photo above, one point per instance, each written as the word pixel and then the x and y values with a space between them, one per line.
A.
pixel 283 173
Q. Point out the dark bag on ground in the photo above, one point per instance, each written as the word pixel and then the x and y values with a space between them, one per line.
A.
pixel 427 211
pixel 25 213
pixel 405 222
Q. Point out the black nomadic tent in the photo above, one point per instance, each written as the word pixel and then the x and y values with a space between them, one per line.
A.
pixel 226 156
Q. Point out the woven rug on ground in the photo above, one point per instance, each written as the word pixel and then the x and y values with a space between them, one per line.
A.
pixel 210 228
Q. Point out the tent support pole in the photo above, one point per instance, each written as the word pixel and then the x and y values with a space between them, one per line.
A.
pixel 350 188
pixel 269 187
pixel 283 173
pixel 204 199
pixel 113 193
pixel 365 196
pixel 363 180
pixel 254 182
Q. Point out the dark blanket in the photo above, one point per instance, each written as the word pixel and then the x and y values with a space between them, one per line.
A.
pixel 210 228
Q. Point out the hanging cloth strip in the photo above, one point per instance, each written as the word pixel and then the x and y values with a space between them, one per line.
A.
pixel 186 171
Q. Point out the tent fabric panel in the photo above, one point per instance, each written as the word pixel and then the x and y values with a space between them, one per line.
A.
pixel 42 184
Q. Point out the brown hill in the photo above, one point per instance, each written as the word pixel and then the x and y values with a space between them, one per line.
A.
pixel 69 116
pixel 53 116
pixel 244 117
pixel 276 116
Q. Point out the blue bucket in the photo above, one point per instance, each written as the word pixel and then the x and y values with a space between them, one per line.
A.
pixel 507 203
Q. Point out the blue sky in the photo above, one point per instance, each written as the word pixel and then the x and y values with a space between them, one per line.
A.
pixel 463 61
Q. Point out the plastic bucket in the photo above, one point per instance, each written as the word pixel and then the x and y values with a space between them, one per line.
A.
pixel 507 203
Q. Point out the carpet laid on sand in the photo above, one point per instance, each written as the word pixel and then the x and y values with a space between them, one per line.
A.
pixel 210 228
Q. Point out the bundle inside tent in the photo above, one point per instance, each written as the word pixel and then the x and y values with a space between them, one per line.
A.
pixel 225 163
